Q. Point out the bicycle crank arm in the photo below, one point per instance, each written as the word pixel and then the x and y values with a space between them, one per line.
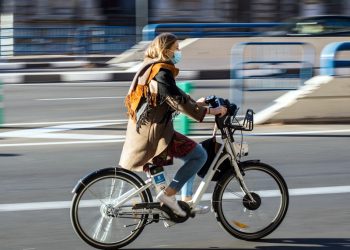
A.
pixel 147 205
pixel 150 206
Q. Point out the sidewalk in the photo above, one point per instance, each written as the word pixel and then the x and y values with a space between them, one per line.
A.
pixel 53 69
pixel 93 74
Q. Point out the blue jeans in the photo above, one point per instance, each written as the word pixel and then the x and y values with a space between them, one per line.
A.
pixel 184 177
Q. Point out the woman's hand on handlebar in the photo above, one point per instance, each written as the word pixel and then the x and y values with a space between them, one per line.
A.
pixel 220 111
pixel 201 102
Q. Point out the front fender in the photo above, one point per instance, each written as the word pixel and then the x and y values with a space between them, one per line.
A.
pixel 243 163
pixel 104 171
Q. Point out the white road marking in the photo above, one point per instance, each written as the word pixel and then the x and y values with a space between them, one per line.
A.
pixel 71 73
pixel 81 98
pixel 305 132
pixel 54 132
pixel 290 98
pixel 51 132
pixel 9 145
pixel 119 121
pixel 35 206
pixel 48 132
pixel 120 140
pixel 98 139
pixel 99 83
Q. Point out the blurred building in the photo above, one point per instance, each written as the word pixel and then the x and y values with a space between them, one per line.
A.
pixel 75 12
pixel 122 12
pixel 242 10
pixel 84 26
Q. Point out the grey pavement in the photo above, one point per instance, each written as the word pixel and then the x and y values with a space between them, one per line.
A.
pixel 212 59
pixel 100 100
pixel 33 174
pixel 55 133
pixel 35 170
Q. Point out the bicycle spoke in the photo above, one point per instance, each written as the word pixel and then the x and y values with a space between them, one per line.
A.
pixel 107 230
pixel 99 221
pixel 98 227
pixel 96 196
pixel 113 188
pixel 244 218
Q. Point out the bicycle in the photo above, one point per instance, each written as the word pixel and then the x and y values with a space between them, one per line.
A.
pixel 112 206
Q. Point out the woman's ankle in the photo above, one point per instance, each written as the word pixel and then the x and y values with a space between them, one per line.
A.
pixel 169 191
pixel 186 198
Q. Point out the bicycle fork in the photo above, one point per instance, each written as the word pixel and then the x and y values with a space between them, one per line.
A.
pixel 238 171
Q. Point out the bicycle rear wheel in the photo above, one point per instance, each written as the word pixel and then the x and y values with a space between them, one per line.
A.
pixel 93 215
pixel 245 219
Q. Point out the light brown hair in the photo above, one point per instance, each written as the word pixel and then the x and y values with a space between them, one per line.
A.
pixel 159 46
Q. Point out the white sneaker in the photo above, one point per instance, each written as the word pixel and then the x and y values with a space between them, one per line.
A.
pixel 170 202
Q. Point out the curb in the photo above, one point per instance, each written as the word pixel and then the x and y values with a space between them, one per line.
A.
pixel 92 76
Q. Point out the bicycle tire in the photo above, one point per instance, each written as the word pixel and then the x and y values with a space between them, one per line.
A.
pixel 103 224
pixel 245 222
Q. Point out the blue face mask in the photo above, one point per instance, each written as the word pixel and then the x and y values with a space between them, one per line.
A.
pixel 177 57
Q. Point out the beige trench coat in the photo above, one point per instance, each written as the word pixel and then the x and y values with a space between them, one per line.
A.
pixel 154 137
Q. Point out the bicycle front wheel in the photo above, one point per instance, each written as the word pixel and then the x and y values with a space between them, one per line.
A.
pixel 246 219
pixel 95 218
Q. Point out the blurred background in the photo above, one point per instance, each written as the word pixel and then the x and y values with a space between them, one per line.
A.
pixel 66 66
pixel 112 26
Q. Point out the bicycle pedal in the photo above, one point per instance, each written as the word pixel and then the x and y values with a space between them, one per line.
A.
pixel 156 218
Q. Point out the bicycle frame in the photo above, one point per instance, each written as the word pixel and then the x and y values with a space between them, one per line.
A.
pixel 119 193
pixel 202 188
pixel 218 160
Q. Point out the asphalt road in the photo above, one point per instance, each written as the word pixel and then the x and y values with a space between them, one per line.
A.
pixel 55 134
pixel 25 103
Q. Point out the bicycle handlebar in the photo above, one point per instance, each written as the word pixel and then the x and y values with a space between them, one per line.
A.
pixel 232 109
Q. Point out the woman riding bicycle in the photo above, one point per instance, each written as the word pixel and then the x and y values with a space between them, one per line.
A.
pixel 152 100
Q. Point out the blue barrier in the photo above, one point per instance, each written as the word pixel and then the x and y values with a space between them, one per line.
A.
pixel 149 32
pixel 271 65
pixel 328 62
pixel 70 40
pixel 113 39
